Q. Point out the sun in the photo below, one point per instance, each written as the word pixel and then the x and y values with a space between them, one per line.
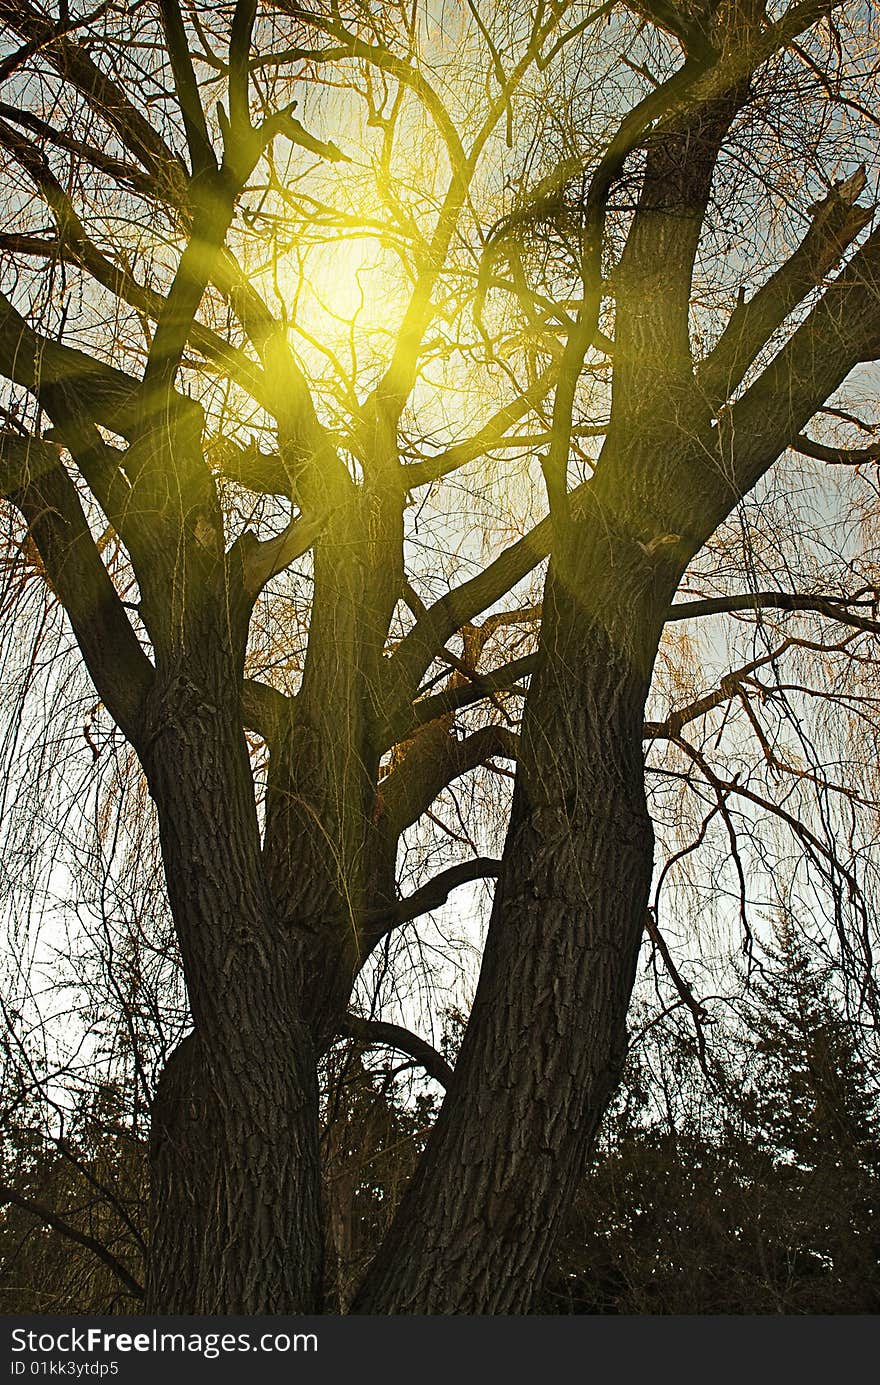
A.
pixel 344 296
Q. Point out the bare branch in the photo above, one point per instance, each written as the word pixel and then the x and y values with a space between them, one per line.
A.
pixel 128 174
pixel 730 686
pixel 697 1010
pixel 201 151
pixel 378 922
pixel 75 246
pixel 263 560
pixel 492 434
pixel 49 1218
pixel 482 685
pixel 350 46
pixel 837 456
pixel 842 330
pixel 308 459
pixel 724 787
pixel 836 608
pixel 433 760
pixel 108 395
pixel 378 1033
pixel 837 221
pixel 104 96
pixel 120 669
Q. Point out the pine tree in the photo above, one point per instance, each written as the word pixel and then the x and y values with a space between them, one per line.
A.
pixel 760 1195
pixel 812 1110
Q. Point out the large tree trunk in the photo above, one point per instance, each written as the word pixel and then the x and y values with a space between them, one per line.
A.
pixel 235 1224
pixel 269 946
pixel 235 1164
pixel 546 1039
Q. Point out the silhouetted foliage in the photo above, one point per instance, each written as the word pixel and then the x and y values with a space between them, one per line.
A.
pixel 758 1195
pixel 755 1193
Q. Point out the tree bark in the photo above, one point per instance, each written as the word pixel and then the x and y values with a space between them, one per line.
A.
pixel 546 1040
pixel 235 1161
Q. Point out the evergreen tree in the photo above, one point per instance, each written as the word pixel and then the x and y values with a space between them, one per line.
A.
pixel 762 1196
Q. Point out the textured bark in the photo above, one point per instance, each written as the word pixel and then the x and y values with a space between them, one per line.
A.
pixel 182 1163
pixel 217 1241
pixel 235 1150
pixel 327 859
pixel 546 1038
pixel 272 935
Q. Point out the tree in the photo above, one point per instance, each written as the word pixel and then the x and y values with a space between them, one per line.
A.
pixel 88 1260
pixel 550 187
pixel 769 1173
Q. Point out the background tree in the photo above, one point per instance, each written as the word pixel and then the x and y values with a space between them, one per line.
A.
pixel 769 1172
pixel 643 229
pixel 73 1233
pixel 768 1165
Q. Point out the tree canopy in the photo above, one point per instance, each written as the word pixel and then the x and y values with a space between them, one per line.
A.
pixel 444 436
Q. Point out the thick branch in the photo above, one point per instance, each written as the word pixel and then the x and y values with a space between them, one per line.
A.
pixel 308 464
pixel 107 395
pixel 73 400
pixel 441 621
pixel 257 471
pixel 422 644
pixel 730 686
pixel 240 36
pixel 482 685
pixel 378 1033
pixel 119 668
pixel 842 330
pixel 653 357
pixel 425 900
pixel 261 560
pixel 835 608
pixel 201 152
pixel 836 456
pixel 509 675
pixel 265 710
pixel 664 297
pixel 434 759
pixel 837 221
pixel 33 46
pixel 214 193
